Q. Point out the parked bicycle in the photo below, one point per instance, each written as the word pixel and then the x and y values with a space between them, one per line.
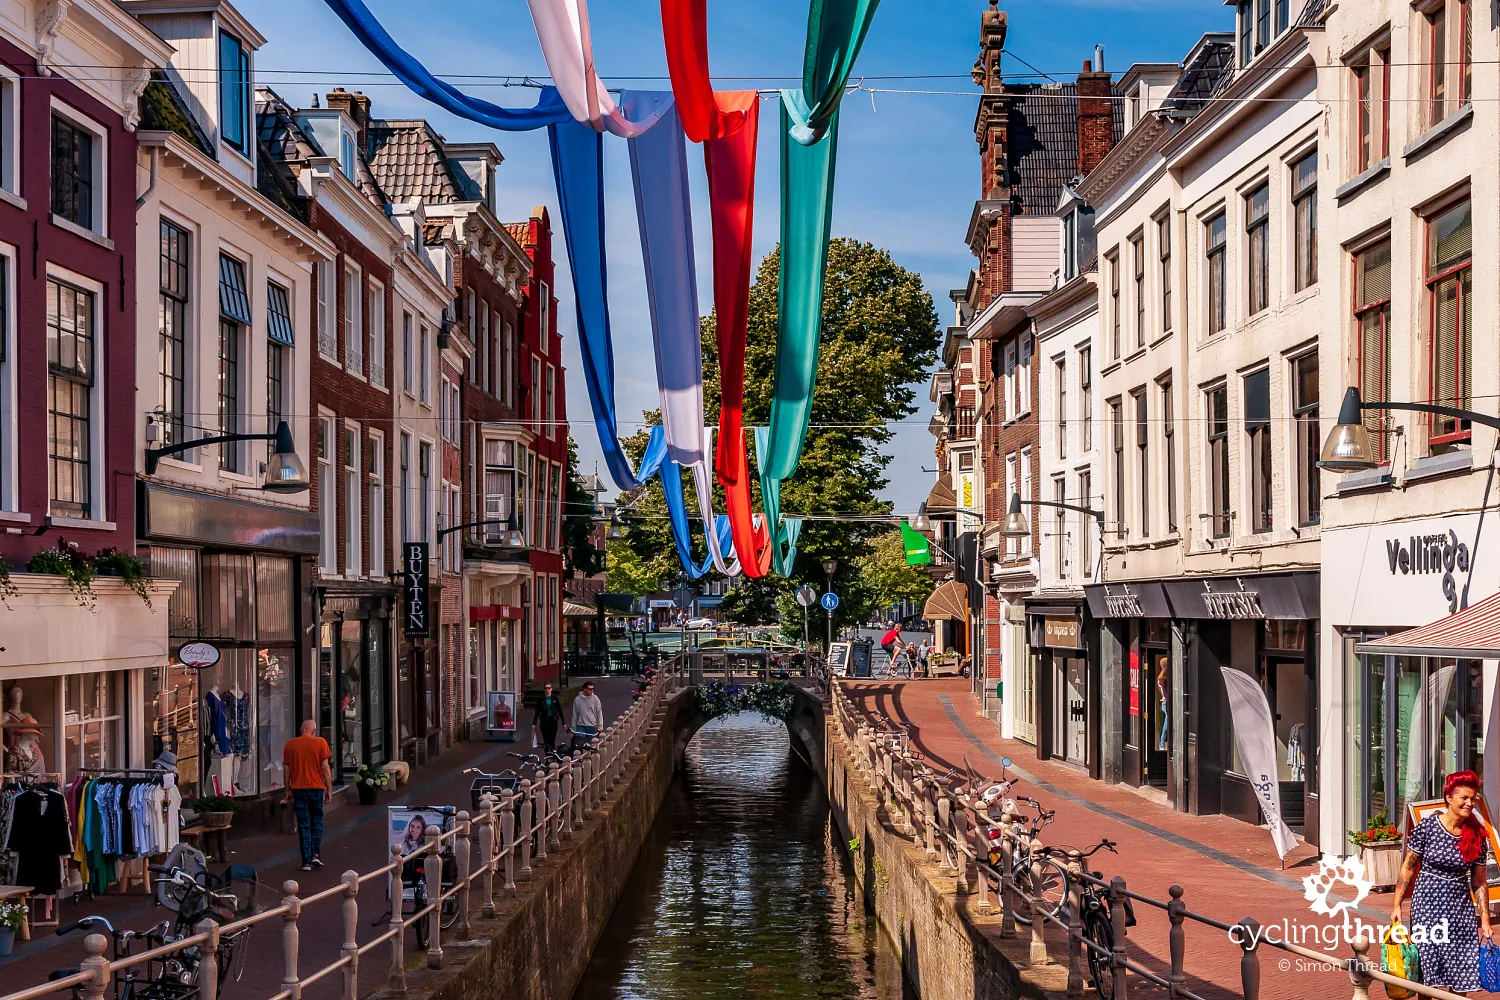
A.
pixel 1041 881
pixel 1098 921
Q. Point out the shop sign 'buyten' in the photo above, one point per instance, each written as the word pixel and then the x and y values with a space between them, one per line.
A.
pixel 414 589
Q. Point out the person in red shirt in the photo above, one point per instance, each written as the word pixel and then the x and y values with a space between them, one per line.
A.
pixel 309 784
pixel 891 641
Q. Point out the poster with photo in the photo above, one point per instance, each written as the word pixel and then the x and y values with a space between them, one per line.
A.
pixel 407 826
pixel 500 716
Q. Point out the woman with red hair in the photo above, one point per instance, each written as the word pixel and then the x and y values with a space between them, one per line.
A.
pixel 1446 853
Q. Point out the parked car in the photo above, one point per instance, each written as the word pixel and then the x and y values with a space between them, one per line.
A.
pixel 701 624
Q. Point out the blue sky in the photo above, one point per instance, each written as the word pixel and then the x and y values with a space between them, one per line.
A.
pixel 908 167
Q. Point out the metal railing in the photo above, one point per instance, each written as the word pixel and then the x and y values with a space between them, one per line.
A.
pixel 514 831
pixel 953 828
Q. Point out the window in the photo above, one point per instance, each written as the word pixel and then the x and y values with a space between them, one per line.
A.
pixel 1217 403
pixel 377 334
pixel 423 381
pixel 1262 24
pixel 1246 22
pixel 483 348
pixel 1086 398
pixel 1169 453
pixel 1258 249
pixel 536 391
pixel 1113 263
pixel 1258 447
pixel 557 511
pixel 1060 527
pixel 406 498
pixel 1023 375
pixel 424 487
pixel 8 498
pixel 1449 291
pixel 10 130
pixel 235 122
pixel 72 172
pixel 544 325
pixel 172 318
pixel 499 488
pixel 1305 221
pixel 1437 26
pixel 328 505
pixel 375 471
pixel 473 358
pixel 1070 246
pixel 508 347
pixel 354 329
pixel 1283 15
pixel 234 316
pixel 93 735
pixel 323 275
pixel 1027 493
pixel 1164 269
pixel 1305 414
pixel 1372 87
pixel 450 541
pixel 353 507
pixel 448 406
pixel 1372 321
pixel 1117 442
pixel 1061 377
pixel 551 430
pixel 1215 233
pixel 1012 545
pixel 346 154
pixel 1086 535
pixel 276 400
pixel 408 359
pixel 70 390
pixel 1012 400
pixel 1138 289
pixel 1143 458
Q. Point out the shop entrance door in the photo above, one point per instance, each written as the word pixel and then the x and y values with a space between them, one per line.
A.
pixel 1156 718
pixel 1070 715
pixel 1286 690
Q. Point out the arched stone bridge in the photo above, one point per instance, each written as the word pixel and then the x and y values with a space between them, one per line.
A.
pixel 804 724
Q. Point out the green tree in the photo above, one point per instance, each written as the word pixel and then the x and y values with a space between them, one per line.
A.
pixel 626 573
pixel 889 575
pixel 880 335
pixel 581 557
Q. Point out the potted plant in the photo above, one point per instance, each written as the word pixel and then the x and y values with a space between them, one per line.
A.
pixel 213 810
pixel 11 915
pixel 367 781
pixel 1379 845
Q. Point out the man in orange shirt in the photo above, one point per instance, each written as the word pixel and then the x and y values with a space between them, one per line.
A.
pixel 309 784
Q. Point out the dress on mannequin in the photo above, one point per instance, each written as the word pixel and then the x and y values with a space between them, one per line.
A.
pixel 23 737
pixel 218 720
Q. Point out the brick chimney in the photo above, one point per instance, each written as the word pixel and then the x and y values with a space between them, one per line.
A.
pixel 1096 117
pixel 357 107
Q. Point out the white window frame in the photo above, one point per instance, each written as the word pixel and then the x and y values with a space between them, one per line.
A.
pixel 100 206
pixel 434 475
pixel 325 450
pixel 404 468
pixel 354 563
pixel 1012 476
pixel 326 279
pixel 375 291
pixel 1023 375
pixel 408 349
pixel 9 466
pixel 99 499
pixel 544 293
pixel 1008 371
pixel 375 476
pixel 1027 485
pixel 353 279
pixel 424 376
pixel 10 137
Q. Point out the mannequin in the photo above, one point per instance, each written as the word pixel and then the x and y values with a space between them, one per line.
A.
pixel 23 736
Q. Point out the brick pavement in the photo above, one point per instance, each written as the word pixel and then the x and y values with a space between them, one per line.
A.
pixel 354 839
pixel 1228 869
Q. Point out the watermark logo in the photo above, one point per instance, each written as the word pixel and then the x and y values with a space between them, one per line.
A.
pixel 1333 871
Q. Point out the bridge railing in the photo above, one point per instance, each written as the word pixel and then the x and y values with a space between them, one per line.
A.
pixel 512 833
pixel 953 826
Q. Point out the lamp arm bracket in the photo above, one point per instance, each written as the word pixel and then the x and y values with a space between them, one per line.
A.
pixel 1097 515
pixel 154 455
pixel 1440 410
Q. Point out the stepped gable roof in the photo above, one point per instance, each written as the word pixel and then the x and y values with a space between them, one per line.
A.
pixel 407 160
pixel 164 110
pixel 520 232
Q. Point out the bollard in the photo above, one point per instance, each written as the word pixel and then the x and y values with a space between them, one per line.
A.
pixel 463 848
pixel 507 842
pixel 1007 875
pixel 1359 968
pixel 1250 959
pixel 523 835
pixel 350 947
pixel 94 945
pixel 208 960
pixel 1038 952
pixel 1117 918
pixel 1075 923
pixel 289 980
pixel 1176 938
pixel 432 871
pixel 487 853
pixel 397 894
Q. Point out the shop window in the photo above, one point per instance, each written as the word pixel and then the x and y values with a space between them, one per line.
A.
pixel 1449 291
pixel 1309 437
pixel 1258 447
pixel 1305 221
pixel 70 392
pixel 172 330
pixel 167 563
pixel 275 598
pixel 1372 321
pixel 29 725
pixel 1215 234
pixel 228 599
pixel 172 699
pixel 1216 401
pixel 92 736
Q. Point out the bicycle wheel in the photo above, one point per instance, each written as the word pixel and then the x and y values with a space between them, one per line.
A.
pixel 450 912
pixel 1098 929
pixel 419 901
pixel 1042 898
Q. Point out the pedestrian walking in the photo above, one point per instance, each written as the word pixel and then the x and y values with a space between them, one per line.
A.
pixel 923 651
pixel 1446 854
pixel 588 712
pixel 309 784
pixel 549 715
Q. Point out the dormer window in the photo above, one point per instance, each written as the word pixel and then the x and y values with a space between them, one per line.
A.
pixel 346 155
pixel 234 92
pixel 1078 240
pixel 1260 23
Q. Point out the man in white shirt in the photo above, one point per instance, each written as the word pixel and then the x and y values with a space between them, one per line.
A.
pixel 588 712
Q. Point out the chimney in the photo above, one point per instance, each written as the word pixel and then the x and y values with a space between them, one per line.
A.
pixel 1096 117
pixel 357 107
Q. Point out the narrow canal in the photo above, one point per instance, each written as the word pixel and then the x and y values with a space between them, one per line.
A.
pixel 741 889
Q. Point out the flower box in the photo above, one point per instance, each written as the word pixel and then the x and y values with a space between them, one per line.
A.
pixel 1382 863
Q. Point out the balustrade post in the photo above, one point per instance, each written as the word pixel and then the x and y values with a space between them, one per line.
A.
pixel 1117 918
pixel 1038 951
pixel 945 821
pixel 565 787
pixel 980 847
pixel 397 894
pixel 350 947
pixel 1075 923
pixel 507 841
pixel 523 834
pixel 94 946
pixel 433 875
pixel 208 960
pixel 539 815
pixel 1177 938
pixel 1007 875
pixel 586 798
pixel 931 792
pixel 487 853
pixel 1359 968
pixel 580 789
pixel 1249 958
pixel 463 847
pixel 968 864
pixel 554 808
pixel 289 939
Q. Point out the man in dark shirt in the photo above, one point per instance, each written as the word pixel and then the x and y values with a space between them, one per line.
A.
pixel 549 714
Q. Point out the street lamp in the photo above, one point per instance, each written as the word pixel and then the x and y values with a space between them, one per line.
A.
pixel 1347 448
pixel 285 472
pixel 514 538
pixel 1017 526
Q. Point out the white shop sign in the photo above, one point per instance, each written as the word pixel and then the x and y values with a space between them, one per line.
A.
pixel 1406 573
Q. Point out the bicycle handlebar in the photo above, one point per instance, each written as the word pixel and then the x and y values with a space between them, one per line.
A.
pixel 87 923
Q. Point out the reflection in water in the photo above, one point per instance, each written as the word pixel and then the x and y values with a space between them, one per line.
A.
pixel 740 890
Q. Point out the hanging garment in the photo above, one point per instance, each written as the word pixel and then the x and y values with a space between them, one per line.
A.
pixel 237 708
pixel 39 836
pixel 218 722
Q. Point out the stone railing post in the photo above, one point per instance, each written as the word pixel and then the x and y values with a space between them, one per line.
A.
pixel 1075 923
pixel 208 960
pixel 1359 968
pixel 979 840
pixel 539 815
pixel 945 823
pixel 433 875
pixel 1249 959
pixel 94 947
pixel 580 790
pixel 463 849
pixel 397 982
pixel 1177 937
pixel 1038 951
pixel 507 840
pixel 1007 875
pixel 1117 918
pixel 526 821
pixel 487 853
pixel 350 947
pixel 554 808
pixel 565 788
pixel 289 939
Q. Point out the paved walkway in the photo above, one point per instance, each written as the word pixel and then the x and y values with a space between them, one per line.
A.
pixel 354 839
pixel 1228 869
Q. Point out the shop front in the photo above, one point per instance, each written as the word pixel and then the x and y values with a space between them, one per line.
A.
pixel 1067 687
pixel 226 709
pixel 497 613
pixel 354 688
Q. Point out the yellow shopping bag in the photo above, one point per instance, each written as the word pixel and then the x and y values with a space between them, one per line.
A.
pixel 1399 958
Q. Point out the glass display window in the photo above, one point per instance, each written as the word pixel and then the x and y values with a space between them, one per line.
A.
pixel 29 725
pixel 92 735
pixel 172 700
pixel 276 711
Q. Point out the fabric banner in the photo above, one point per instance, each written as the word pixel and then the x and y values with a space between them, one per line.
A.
pixel 835 31
pixel 783 534
pixel 1255 739
pixel 562 26
pixel 705 115
pixel 918 548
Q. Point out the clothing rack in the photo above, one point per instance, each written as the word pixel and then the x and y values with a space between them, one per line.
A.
pixel 125 771
pixel 132 869
pixel 47 916
pixel 56 777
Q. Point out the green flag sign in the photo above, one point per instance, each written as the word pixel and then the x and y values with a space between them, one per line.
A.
pixel 918 549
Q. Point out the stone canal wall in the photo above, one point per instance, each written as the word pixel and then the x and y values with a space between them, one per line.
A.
pixel 539 942
pixel 949 950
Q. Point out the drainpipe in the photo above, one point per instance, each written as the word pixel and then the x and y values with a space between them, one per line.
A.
pixel 140 202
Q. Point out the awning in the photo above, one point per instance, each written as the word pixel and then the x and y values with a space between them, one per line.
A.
pixel 572 609
pixel 950 601
pixel 942 499
pixel 1470 634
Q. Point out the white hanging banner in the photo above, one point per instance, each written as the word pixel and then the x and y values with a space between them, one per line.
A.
pixel 562 26
pixel 1255 739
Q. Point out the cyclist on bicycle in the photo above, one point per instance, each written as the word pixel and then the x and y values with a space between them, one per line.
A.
pixel 891 641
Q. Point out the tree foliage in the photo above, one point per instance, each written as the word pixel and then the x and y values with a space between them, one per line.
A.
pixel 889 575
pixel 581 557
pixel 880 335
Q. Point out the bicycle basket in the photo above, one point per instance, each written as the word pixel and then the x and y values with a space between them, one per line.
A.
pixel 191 861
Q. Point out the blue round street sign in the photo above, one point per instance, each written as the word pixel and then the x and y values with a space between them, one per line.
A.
pixel 830 600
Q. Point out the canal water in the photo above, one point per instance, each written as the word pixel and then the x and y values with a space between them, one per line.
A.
pixel 741 889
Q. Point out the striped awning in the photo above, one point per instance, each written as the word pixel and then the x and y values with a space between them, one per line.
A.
pixel 572 609
pixel 941 499
pixel 949 602
pixel 1470 634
